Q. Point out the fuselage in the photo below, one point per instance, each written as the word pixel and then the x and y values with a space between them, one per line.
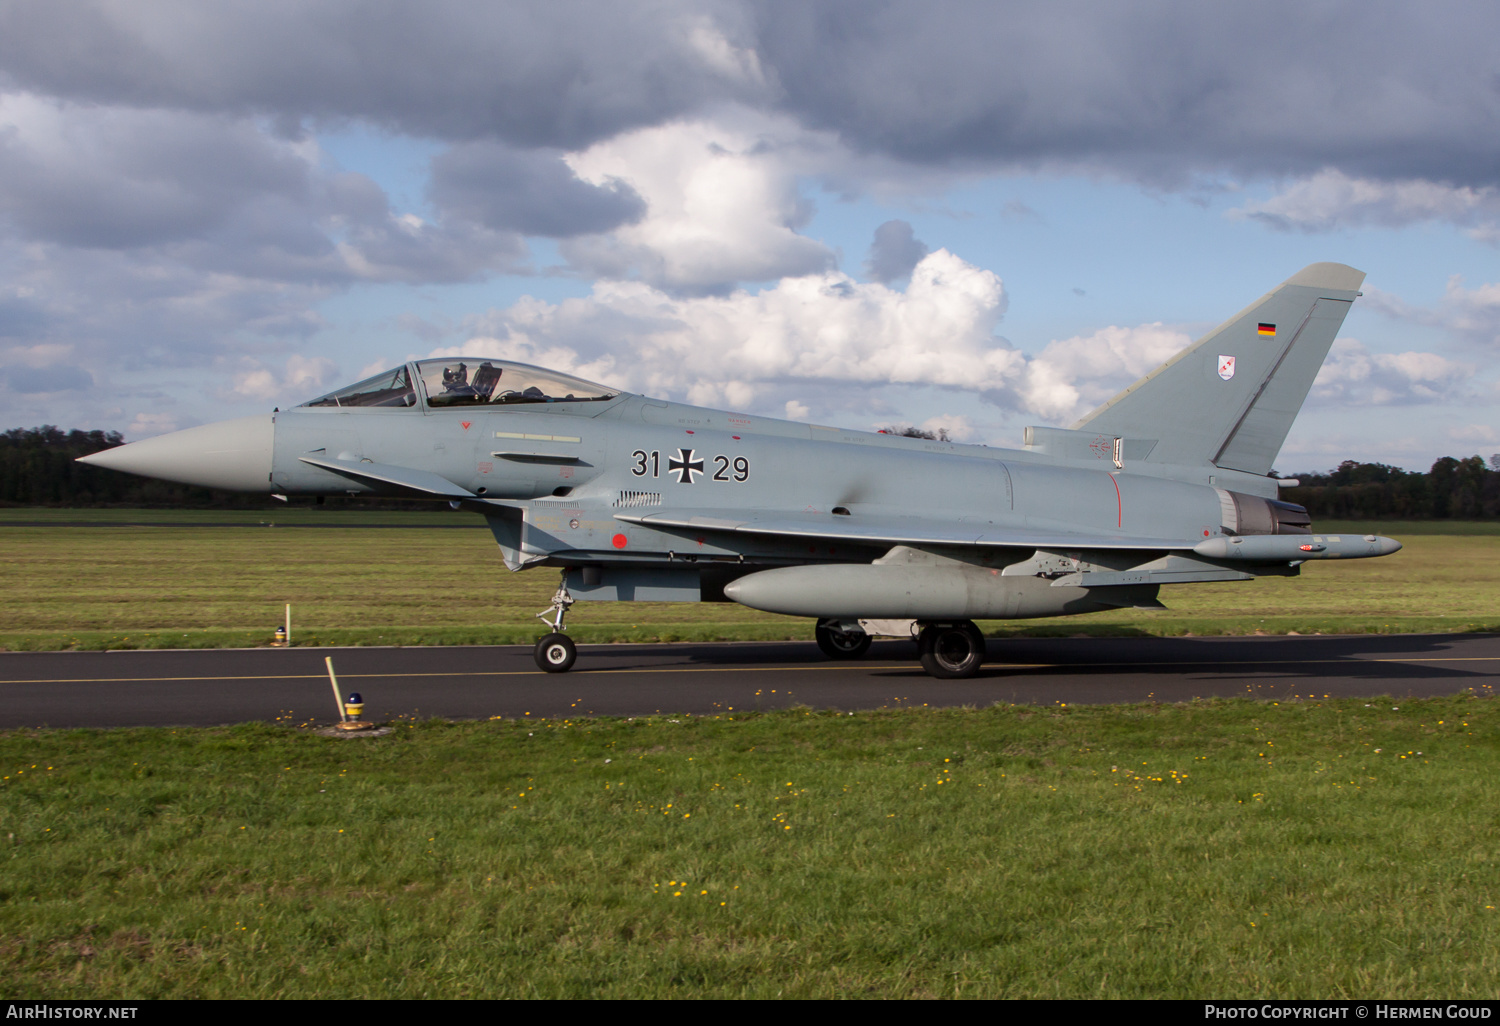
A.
pixel 569 467
pixel 573 466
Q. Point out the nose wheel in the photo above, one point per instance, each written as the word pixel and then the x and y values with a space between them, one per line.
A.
pixel 556 653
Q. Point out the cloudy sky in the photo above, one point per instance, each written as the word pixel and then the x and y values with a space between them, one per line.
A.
pixel 975 216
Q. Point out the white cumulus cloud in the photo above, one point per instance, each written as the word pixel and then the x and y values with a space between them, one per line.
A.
pixel 298 382
pixel 761 350
pixel 1072 376
pixel 1469 314
pixel 950 425
pixel 727 350
pixel 1333 199
pixel 1354 376
pixel 722 204
pixel 1485 434
pixel 1474 313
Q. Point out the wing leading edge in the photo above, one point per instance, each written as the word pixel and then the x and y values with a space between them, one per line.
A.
pixel 1285 548
pixel 866 530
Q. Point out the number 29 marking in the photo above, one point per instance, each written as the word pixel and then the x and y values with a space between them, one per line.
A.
pixel 740 464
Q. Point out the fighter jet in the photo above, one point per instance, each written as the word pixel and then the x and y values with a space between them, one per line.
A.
pixel 640 499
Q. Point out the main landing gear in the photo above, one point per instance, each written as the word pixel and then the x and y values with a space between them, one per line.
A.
pixel 556 653
pixel 838 643
pixel 951 651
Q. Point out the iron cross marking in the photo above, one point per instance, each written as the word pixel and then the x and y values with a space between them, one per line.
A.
pixel 684 466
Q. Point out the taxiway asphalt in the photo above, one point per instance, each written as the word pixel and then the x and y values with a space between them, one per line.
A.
pixel 217 686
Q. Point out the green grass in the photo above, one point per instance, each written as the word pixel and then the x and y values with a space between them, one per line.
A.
pixel 191 580
pixel 1227 848
pixel 1407 528
pixel 285 516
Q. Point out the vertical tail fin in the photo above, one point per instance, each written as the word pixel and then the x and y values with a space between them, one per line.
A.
pixel 1230 399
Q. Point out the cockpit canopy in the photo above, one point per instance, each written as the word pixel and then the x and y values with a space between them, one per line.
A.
pixel 471 382
pixel 390 388
pixel 466 381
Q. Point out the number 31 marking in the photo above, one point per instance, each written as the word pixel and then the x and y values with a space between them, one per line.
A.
pixel 643 459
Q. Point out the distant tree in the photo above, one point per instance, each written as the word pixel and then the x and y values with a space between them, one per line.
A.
pixel 1444 476
pixel 1468 488
pixel 1460 488
pixel 38 468
pixel 940 435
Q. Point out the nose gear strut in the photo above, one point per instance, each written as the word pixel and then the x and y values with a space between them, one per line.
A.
pixel 555 653
pixel 559 607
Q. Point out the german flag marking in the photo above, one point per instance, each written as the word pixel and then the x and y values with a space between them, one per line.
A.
pixel 1266 329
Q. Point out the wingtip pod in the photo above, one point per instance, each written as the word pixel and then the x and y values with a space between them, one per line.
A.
pixel 1269 548
pixel 1330 276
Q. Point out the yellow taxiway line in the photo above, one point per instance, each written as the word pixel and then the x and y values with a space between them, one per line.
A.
pixel 749 669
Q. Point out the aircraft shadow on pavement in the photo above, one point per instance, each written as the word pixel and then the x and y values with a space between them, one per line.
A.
pixel 1283 657
pixel 1226 658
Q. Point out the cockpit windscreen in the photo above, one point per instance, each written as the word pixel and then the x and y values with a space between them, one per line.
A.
pixel 466 381
pixel 392 388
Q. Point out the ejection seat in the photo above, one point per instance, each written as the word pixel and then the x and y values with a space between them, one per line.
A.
pixel 485 380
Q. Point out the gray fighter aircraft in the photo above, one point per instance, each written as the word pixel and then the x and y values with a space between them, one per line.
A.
pixel 638 499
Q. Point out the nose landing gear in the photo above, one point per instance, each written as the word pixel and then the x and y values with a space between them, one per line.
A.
pixel 556 653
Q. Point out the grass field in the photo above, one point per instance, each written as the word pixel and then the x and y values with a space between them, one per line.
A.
pixel 1226 848
pixel 179 579
pixel 1306 849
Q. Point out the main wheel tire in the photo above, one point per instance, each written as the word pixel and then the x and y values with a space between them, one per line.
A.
pixel 952 652
pixel 556 653
pixel 840 644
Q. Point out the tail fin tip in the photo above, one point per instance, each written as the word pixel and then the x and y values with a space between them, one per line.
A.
pixel 1337 277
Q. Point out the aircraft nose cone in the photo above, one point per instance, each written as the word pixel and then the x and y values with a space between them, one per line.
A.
pixel 234 455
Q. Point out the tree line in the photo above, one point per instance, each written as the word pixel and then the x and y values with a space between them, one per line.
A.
pixel 37 468
pixel 1456 489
